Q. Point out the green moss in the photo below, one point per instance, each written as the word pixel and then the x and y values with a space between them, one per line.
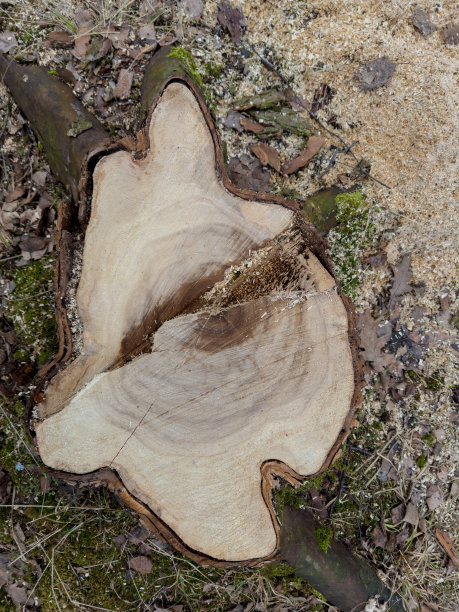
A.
pixel 324 535
pixel 354 232
pixel 421 460
pixel 429 439
pixel 434 382
pixel 31 309
pixel 188 61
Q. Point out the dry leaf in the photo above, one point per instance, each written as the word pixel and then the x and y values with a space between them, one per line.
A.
pixel 7 41
pixel 39 178
pixel 192 8
pixel 247 173
pixel 267 155
pixel 82 41
pixel 233 121
pixel 314 144
pixel 17 193
pixel 60 37
pixel 447 544
pixel 375 74
pixel 450 34
pixel 84 19
pixel 124 84
pixel 251 126
pixel 421 21
pixel 373 337
pixel 141 564
pixel 434 497
pixel 147 32
pixel 402 280
pixel 231 19
pixel 411 514
pixel 17 594
pixel 33 247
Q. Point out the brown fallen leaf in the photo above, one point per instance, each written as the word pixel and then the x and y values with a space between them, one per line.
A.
pixel 124 84
pixel 233 121
pixel 251 126
pixel 147 33
pixel 411 514
pixel 17 594
pixel 402 280
pixel 375 74
pixel 434 497
pixel 373 337
pixel 248 173
pixel 119 37
pixel 450 34
pixel 378 537
pixel 60 37
pixel 231 19
pixel 192 8
pixel 33 247
pixel 447 544
pixel 82 42
pixel 17 193
pixel 267 155
pixel 141 564
pixel 314 144
pixel 7 41
pixel 84 18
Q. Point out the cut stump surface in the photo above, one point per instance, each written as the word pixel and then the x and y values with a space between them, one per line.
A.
pixel 217 348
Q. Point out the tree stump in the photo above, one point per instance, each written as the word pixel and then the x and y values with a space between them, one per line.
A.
pixel 217 349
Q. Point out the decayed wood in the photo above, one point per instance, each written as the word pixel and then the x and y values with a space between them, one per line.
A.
pixel 194 383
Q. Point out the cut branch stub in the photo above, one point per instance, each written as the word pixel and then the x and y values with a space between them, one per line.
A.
pixel 217 349
pixel 70 134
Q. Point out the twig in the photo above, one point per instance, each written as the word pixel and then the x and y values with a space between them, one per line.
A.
pixel 340 492
pixel 299 101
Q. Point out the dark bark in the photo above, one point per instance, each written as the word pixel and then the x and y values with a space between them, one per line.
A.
pixel 70 134
pixel 347 581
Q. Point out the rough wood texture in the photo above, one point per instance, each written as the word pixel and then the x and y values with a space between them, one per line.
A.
pixel 196 383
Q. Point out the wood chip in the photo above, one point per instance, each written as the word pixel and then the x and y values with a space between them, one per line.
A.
pixel 267 155
pixel 124 84
pixel 315 143
pixel 232 19
pixel 447 544
pixel 375 74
